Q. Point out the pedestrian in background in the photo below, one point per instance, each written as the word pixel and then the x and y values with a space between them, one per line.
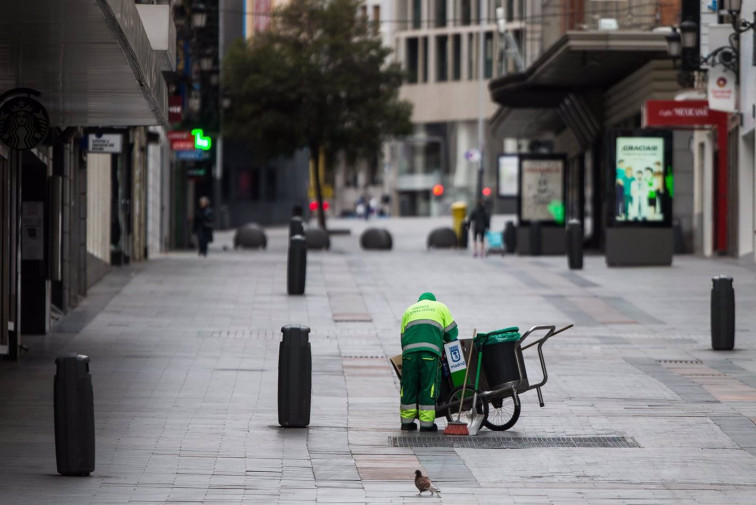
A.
pixel 426 325
pixel 481 222
pixel 203 224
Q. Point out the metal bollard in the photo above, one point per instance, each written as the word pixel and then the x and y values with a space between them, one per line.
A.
pixel 294 377
pixel 510 237
pixel 464 235
pixel 722 314
pixel 574 237
pixel 535 238
pixel 295 226
pixel 297 265
pixel 73 402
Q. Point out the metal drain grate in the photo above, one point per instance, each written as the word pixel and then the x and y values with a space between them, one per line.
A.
pixel 680 361
pixel 363 356
pixel 504 442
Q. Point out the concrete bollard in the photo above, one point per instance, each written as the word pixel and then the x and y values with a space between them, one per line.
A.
pixel 574 246
pixel 722 314
pixel 294 377
pixel 296 273
pixel 74 415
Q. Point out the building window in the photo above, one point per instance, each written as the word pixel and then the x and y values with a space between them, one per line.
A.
pixel 440 13
pixel 442 58
pixel 376 19
pixel 470 57
pixel 466 12
pixel 488 53
pixel 510 10
pixel 417 13
pixel 457 57
pixel 424 51
pixel 412 61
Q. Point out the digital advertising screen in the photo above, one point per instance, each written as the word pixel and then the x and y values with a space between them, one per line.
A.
pixel 541 181
pixel 508 166
pixel 641 179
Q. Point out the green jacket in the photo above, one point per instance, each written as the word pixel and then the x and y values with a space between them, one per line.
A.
pixel 426 325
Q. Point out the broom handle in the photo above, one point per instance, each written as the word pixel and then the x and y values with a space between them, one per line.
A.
pixel 467 371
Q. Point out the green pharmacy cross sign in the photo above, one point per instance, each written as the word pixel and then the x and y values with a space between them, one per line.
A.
pixel 200 141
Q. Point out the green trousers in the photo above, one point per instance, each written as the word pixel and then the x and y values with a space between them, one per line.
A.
pixel 421 382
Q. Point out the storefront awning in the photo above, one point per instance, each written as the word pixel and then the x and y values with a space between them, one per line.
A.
pixel 90 59
pixel 578 63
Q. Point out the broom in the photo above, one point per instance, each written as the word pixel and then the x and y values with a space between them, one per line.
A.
pixel 458 427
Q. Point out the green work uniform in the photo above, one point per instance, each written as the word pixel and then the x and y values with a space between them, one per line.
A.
pixel 426 325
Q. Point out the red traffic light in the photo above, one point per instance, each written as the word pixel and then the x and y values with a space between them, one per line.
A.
pixel 314 205
pixel 486 191
pixel 438 190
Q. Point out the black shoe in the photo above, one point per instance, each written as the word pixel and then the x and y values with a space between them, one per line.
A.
pixel 429 428
pixel 409 426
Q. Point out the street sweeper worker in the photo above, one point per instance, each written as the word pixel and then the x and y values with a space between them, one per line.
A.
pixel 426 325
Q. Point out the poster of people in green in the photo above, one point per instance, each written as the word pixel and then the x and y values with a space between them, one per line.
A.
pixel 640 186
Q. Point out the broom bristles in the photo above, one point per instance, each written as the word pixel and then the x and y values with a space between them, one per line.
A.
pixel 456 428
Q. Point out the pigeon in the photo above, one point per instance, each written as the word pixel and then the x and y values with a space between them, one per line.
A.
pixel 424 484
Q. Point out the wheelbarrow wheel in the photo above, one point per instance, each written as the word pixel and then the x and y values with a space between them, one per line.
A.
pixel 503 413
pixel 453 402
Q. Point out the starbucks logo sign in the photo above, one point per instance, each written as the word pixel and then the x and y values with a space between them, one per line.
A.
pixel 24 123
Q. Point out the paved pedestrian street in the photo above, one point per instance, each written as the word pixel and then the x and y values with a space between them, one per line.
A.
pixel 184 360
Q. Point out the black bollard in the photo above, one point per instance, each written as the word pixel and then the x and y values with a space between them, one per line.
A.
pixel 574 237
pixel 535 238
pixel 510 237
pixel 295 226
pixel 464 235
pixel 722 314
pixel 297 265
pixel 73 402
pixel 294 377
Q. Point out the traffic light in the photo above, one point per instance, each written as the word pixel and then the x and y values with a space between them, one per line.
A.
pixel 438 190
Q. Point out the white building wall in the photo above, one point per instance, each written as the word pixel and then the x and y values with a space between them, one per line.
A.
pixel 98 205
pixel 157 172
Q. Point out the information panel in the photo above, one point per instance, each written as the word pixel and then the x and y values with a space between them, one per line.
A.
pixel 542 188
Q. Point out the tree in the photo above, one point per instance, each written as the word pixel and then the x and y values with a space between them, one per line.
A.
pixel 317 79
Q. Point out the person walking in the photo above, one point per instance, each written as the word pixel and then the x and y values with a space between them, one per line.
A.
pixel 203 224
pixel 426 325
pixel 481 222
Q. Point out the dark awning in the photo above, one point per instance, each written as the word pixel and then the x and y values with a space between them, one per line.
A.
pixel 90 59
pixel 577 64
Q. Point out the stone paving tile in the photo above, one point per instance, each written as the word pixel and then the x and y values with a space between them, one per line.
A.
pixel 184 359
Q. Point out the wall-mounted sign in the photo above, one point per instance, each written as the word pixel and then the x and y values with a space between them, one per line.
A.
pixel 721 89
pixel 541 193
pixel 175 109
pixel 24 122
pixel 195 155
pixel 507 175
pixel 105 142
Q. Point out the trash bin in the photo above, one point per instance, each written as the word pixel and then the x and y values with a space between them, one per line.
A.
pixel 510 237
pixel 465 235
pixel 73 404
pixel 458 212
pixel 294 377
pixel 499 357
pixel 722 314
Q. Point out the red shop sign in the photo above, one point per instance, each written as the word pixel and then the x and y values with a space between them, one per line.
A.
pixel 681 113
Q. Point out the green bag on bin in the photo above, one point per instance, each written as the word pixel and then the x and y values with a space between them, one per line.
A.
pixel 511 334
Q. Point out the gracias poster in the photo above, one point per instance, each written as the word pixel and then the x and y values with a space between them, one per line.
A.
pixel 642 180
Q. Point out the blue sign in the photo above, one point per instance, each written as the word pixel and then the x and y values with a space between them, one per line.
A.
pixel 194 155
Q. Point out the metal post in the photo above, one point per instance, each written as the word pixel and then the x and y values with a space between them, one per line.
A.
pixel 481 91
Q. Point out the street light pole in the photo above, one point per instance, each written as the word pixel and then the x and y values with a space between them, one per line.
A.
pixel 481 91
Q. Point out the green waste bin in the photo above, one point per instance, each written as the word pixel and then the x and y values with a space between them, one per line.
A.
pixel 500 353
